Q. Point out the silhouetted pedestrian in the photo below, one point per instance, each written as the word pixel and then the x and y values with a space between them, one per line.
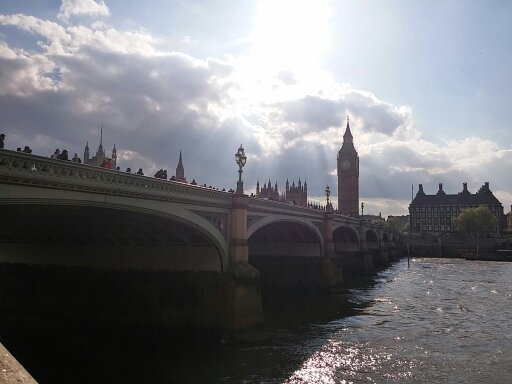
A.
pixel 56 154
pixel 63 155
pixel 2 137
pixel 128 170
pixel 139 172
pixel 76 159
pixel 27 149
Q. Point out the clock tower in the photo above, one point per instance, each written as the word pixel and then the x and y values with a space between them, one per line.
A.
pixel 348 176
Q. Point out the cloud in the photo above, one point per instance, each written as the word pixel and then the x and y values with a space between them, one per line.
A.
pixel 153 103
pixel 70 8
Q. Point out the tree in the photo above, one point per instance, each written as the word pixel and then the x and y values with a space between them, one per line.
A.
pixel 476 221
pixel 397 224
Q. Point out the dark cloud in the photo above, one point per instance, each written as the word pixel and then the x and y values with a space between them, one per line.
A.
pixel 313 113
pixel 154 104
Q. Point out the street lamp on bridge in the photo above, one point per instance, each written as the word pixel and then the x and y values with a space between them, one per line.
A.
pixel 241 159
pixel 328 206
pixel 362 210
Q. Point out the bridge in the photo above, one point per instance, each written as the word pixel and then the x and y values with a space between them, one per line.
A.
pixel 57 212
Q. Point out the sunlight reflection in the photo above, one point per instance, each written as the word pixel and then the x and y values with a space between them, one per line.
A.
pixel 337 362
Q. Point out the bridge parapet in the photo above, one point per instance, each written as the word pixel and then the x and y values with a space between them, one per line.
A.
pixel 28 169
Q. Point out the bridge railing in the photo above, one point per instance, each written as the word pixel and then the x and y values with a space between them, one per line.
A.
pixel 23 168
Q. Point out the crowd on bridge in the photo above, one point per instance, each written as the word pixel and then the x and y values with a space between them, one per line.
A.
pixel 160 174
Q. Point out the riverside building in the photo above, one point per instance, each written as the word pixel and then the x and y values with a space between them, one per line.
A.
pixel 348 176
pixel 296 194
pixel 435 214
pixel 100 156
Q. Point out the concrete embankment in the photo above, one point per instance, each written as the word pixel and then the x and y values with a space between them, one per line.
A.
pixel 11 371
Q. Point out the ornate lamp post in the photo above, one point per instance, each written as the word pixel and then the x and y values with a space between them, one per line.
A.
pixel 327 194
pixel 362 210
pixel 240 159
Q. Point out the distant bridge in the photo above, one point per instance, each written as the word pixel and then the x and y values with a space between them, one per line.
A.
pixel 84 215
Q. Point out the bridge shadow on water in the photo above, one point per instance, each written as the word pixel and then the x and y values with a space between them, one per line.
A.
pixel 59 348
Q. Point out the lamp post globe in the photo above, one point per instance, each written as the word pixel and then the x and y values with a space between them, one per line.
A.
pixel 240 159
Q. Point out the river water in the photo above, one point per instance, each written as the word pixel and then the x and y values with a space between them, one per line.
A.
pixel 436 321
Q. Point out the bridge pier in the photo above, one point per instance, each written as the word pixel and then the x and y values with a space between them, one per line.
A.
pixel 332 270
pixel 368 265
pixel 243 305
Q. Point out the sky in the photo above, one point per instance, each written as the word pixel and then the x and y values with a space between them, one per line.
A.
pixel 426 85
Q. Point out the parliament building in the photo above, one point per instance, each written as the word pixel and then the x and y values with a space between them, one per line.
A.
pixel 436 213
pixel 348 176
pixel 100 156
pixel 296 194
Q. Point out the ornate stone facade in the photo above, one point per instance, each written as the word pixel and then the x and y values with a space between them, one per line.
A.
pixel 180 171
pixel 296 194
pixel 348 176
pixel 435 213
pixel 100 156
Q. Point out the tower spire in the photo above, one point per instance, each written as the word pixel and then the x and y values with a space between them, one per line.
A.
pixel 180 170
pixel 347 137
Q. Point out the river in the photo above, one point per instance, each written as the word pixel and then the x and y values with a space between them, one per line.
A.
pixel 435 321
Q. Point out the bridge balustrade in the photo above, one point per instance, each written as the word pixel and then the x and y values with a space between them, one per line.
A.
pixel 22 168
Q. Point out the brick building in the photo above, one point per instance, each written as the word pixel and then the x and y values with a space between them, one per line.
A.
pixel 436 213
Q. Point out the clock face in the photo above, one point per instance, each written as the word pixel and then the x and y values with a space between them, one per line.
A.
pixel 346 164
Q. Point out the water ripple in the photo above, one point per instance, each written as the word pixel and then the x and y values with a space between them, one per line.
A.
pixel 439 321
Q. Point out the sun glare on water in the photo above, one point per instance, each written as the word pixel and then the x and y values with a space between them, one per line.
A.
pixel 291 33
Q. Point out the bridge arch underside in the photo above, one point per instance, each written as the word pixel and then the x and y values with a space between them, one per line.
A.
pixel 345 239
pixel 103 237
pixel 284 238
pixel 385 240
pixel 372 239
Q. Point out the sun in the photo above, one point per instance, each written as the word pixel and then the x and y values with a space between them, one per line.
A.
pixel 291 33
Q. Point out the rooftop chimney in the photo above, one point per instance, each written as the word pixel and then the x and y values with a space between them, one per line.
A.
pixel 464 187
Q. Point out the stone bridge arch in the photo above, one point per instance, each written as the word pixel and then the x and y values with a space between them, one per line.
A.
pixel 346 239
pixel 285 236
pixel 372 239
pixel 130 228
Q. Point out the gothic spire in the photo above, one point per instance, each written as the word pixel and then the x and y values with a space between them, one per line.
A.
pixel 347 137
pixel 180 170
